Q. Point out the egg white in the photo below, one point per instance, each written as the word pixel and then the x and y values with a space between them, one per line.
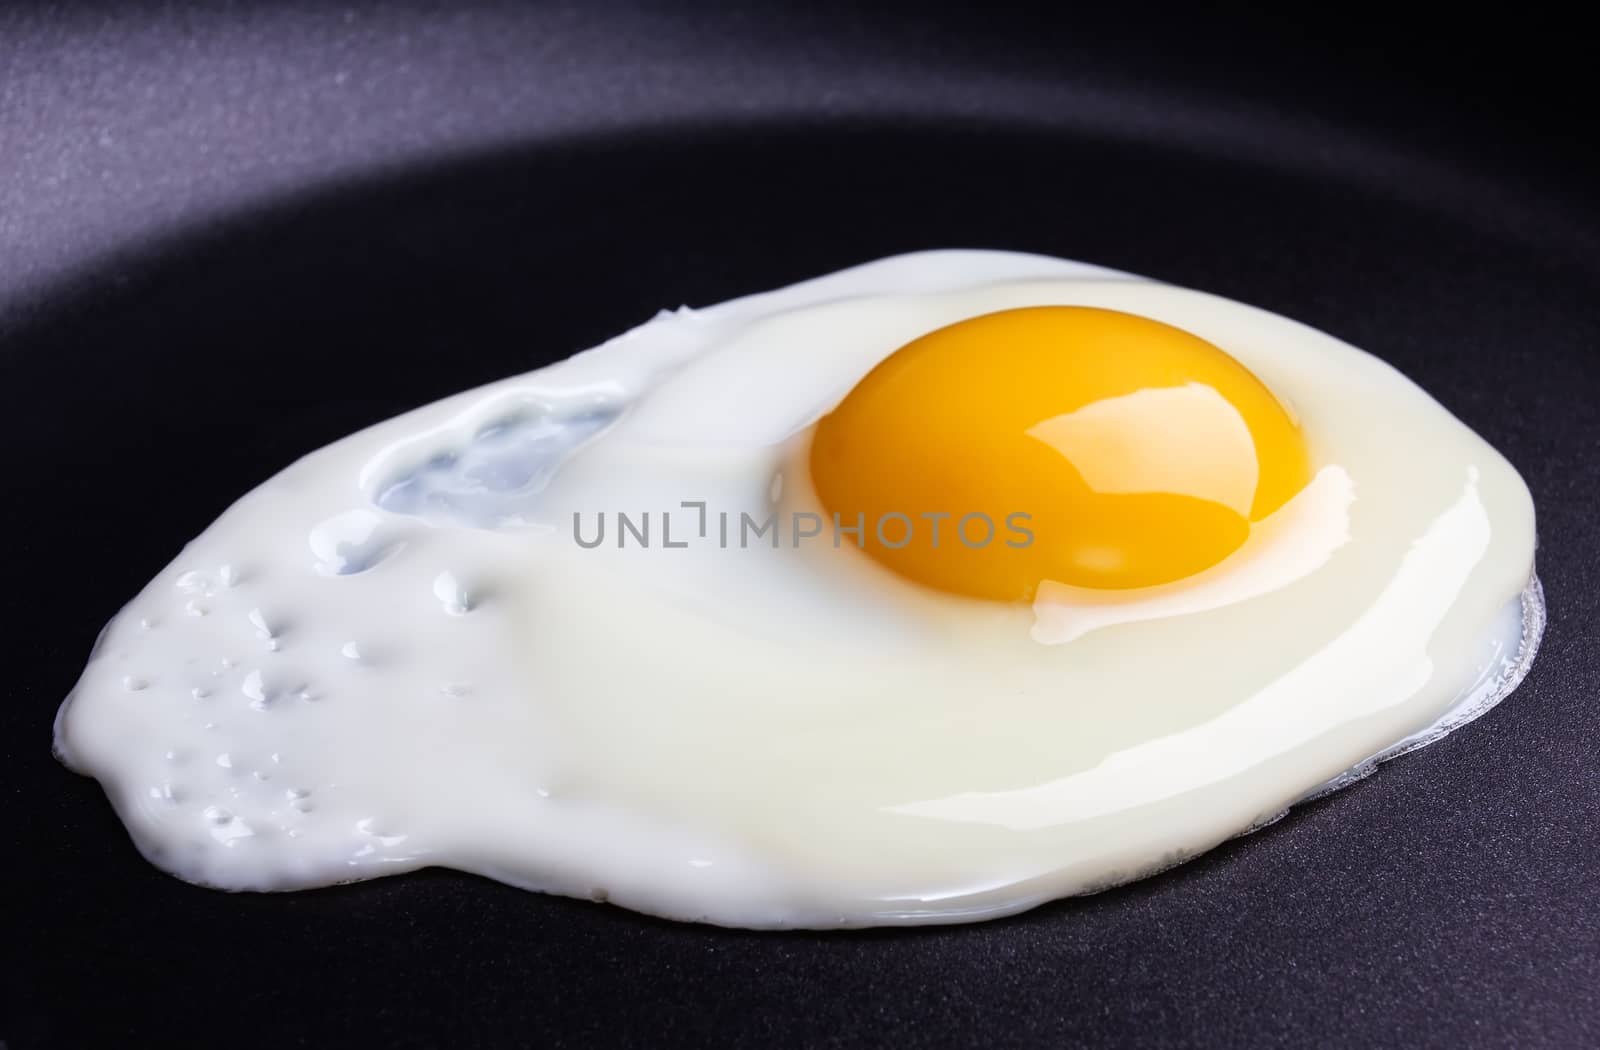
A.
pixel 394 655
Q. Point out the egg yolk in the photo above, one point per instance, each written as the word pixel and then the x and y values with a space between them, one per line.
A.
pixel 1085 446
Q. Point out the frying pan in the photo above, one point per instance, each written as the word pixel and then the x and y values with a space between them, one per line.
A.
pixel 230 234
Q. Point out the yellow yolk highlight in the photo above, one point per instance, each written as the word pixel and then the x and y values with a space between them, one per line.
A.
pixel 1086 446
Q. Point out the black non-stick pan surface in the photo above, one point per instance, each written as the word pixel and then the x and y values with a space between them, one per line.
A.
pixel 230 234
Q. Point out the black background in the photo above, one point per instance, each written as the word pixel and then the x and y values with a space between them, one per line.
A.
pixel 229 237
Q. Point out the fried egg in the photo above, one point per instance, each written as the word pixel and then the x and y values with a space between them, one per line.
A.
pixel 926 591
